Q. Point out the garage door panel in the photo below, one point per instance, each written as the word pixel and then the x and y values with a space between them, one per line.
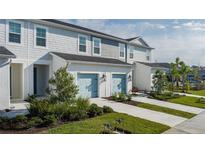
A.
pixel 118 83
pixel 88 85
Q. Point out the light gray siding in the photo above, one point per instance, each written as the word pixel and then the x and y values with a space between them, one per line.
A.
pixel 58 40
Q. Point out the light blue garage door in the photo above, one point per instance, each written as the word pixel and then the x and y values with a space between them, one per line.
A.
pixel 118 83
pixel 88 85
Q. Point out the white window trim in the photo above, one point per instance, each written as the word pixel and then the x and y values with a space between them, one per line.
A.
pixel 131 50
pixel 46 28
pixel 95 38
pixel 7 32
pixel 86 43
pixel 119 50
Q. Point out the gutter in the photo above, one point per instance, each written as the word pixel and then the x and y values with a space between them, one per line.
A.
pixel 97 63
pixel 7 56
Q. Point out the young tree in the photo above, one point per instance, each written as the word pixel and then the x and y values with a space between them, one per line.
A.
pixel 61 86
pixel 159 81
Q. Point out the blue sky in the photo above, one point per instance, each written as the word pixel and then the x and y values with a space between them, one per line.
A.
pixel 170 38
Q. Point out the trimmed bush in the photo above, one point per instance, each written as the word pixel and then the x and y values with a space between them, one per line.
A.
pixel 34 122
pixel 122 97
pixel 94 110
pixel 49 120
pixel 107 109
pixel 74 114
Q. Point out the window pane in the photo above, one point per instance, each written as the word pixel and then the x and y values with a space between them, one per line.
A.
pixel 41 42
pixel 96 43
pixel 82 41
pixel 14 27
pixel 41 32
pixel 97 50
pixel 82 48
pixel 16 38
pixel 131 55
pixel 121 54
pixel 122 50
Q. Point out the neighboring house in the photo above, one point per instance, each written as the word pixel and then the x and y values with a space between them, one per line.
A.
pixel 143 74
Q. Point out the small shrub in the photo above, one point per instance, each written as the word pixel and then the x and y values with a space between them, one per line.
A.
pixel 82 103
pixel 200 100
pixel 20 118
pixel 49 120
pixel 129 97
pixel 94 110
pixel 34 122
pixel 107 109
pixel 122 97
pixel 114 97
pixel 31 98
pixel 76 114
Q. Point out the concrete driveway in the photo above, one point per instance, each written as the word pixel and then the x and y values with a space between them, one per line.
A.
pixel 185 108
pixel 195 125
pixel 155 116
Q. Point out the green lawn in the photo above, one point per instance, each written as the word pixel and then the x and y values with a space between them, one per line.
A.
pixel 166 110
pixel 96 125
pixel 197 92
pixel 186 100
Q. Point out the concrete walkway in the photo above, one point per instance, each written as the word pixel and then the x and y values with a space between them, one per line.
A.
pixel 191 95
pixel 155 116
pixel 168 105
pixel 195 125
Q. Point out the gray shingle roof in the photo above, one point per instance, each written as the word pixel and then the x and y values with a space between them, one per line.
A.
pixel 94 59
pixel 4 52
pixel 164 65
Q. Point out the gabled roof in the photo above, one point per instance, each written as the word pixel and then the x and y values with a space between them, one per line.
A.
pixel 163 65
pixel 92 59
pixel 5 53
pixel 138 41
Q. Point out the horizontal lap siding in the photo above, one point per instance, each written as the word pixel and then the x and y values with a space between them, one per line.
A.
pixel 58 40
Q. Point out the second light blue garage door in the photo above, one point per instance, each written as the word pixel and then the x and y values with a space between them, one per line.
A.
pixel 118 83
pixel 88 85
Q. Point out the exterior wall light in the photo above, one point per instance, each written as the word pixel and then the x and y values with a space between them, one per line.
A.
pixel 104 77
pixel 129 78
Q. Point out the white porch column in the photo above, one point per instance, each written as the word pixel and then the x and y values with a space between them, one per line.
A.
pixel 4 84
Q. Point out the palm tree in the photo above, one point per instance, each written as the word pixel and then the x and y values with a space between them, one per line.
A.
pixel 184 71
pixel 159 81
pixel 177 73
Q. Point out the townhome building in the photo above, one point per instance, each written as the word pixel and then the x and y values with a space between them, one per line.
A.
pixel 32 50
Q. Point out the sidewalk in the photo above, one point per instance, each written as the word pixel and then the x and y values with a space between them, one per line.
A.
pixel 155 116
pixel 191 95
pixel 195 125
pixel 168 105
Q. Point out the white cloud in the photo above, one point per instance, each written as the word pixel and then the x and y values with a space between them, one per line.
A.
pixel 190 48
pixel 153 26
pixel 176 27
pixel 195 26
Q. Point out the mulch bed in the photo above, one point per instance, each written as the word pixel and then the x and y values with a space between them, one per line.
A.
pixel 34 130
pixel 134 103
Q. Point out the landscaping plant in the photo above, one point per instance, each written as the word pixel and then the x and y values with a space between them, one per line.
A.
pixel 159 82
pixel 61 86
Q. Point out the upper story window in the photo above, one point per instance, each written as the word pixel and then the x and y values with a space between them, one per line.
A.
pixel 122 50
pixel 131 53
pixel 96 46
pixel 40 39
pixel 14 32
pixel 82 43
